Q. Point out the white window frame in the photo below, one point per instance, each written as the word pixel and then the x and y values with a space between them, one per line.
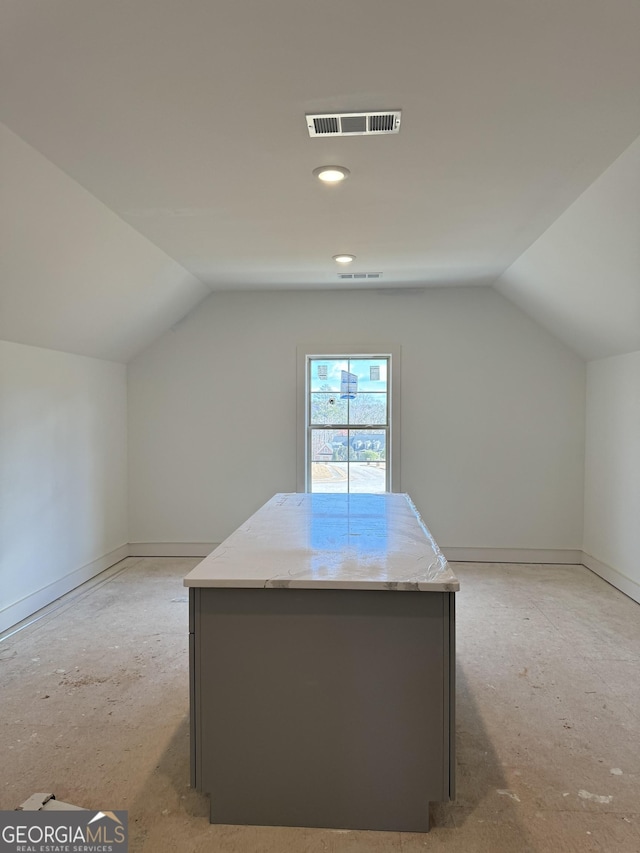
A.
pixel 306 352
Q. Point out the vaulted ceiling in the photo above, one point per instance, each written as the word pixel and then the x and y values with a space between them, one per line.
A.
pixel 186 119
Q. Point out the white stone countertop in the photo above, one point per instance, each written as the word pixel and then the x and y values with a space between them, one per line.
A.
pixel 330 541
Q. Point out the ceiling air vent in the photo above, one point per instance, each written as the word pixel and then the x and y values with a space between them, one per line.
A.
pixel 358 276
pixel 354 124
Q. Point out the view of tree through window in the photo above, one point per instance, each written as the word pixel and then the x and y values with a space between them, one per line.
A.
pixel 348 424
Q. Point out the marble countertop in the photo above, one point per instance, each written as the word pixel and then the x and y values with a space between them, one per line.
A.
pixel 330 541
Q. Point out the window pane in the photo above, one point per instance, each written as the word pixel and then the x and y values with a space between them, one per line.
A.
pixel 325 373
pixel 328 409
pixel 324 443
pixel 367 477
pixel 329 477
pixel 347 397
pixel 367 445
pixel 371 373
pixel 368 409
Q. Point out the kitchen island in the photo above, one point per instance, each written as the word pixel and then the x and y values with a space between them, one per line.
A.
pixel 322 666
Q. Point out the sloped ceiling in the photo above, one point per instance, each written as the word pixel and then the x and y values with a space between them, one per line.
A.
pixel 184 119
pixel 581 279
pixel 73 275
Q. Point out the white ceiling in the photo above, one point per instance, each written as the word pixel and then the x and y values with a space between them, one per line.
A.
pixel 581 279
pixel 187 119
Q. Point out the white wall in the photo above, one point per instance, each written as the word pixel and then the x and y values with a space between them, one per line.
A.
pixel 492 414
pixel 63 462
pixel 581 280
pixel 612 480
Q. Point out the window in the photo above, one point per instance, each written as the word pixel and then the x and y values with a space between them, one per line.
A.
pixel 348 403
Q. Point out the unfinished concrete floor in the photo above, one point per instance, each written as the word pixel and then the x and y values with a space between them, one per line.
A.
pixel 95 710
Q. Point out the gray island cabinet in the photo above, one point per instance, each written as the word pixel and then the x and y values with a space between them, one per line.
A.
pixel 322 666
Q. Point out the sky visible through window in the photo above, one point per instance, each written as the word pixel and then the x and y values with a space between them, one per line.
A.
pixel 363 368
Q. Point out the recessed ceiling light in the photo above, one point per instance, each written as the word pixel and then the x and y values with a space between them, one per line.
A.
pixel 331 174
pixel 344 259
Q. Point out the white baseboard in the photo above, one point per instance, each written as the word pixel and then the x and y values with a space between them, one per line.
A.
pixel 171 549
pixel 625 584
pixel 460 555
pixel 30 604
pixel 564 556
pixel 26 607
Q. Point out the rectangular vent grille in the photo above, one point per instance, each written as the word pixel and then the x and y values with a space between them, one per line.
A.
pixel 358 276
pixel 381 124
pixel 326 125
pixel 354 124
